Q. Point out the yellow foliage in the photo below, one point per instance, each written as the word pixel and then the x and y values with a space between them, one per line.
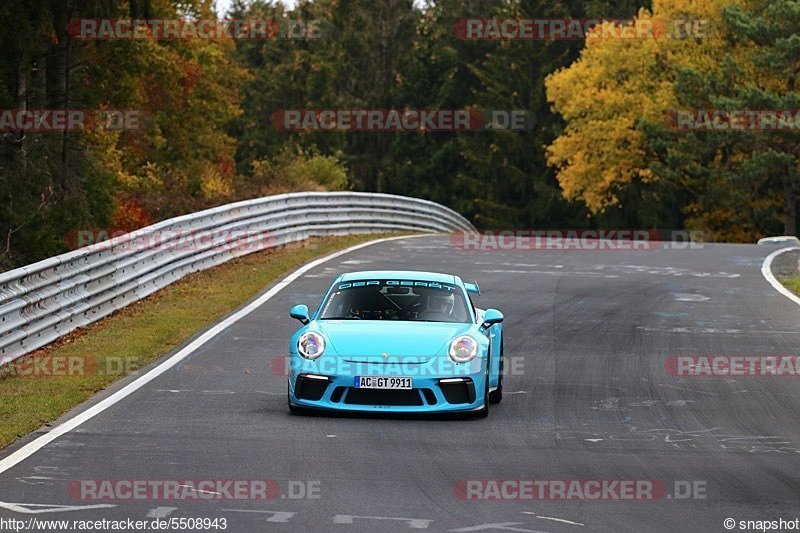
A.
pixel 615 84
pixel 214 185
pixel 108 153
pixel 304 171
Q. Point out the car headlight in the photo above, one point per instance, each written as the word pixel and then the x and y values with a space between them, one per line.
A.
pixel 463 349
pixel 311 345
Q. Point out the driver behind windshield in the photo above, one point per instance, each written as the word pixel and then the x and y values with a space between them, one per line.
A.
pixel 440 306
pixel 381 301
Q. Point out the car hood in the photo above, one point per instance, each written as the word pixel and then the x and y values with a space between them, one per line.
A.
pixel 370 340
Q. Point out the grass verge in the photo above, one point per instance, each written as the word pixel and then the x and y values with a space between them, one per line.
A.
pixel 38 388
pixel 793 284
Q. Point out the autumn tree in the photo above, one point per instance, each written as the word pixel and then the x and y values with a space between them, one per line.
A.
pixel 617 96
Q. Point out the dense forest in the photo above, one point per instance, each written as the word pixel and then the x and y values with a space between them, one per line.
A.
pixel 599 153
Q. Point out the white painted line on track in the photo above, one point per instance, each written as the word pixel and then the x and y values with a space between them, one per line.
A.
pixel 554 519
pixel 161 512
pixel 37 444
pixel 191 488
pixel 766 271
pixel 413 523
pixel 277 516
pixel 39 508
pixel 505 526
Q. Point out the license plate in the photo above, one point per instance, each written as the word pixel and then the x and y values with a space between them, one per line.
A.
pixel 380 382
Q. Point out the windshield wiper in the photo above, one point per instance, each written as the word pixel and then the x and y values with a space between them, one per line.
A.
pixel 341 318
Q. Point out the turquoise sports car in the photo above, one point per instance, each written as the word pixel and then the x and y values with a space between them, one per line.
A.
pixel 397 342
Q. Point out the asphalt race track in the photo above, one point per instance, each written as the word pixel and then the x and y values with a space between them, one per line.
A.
pixel 587 398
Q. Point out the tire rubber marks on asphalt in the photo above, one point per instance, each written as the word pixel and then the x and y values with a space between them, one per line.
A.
pixel 552 272
pixel 692 439
pixel 730 331
pixel 525 265
pixel 667 271
pixel 716 331
pixel 613 404
pixel 596 271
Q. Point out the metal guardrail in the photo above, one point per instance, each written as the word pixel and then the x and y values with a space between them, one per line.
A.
pixel 43 301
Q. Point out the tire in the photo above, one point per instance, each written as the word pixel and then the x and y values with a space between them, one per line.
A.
pixel 496 396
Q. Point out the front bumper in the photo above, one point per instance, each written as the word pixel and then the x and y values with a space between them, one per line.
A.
pixel 442 388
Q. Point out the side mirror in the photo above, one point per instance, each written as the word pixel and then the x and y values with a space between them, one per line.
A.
pixel 491 317
pixel 300 312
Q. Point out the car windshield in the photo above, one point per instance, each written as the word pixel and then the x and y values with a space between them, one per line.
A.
pixel 419 301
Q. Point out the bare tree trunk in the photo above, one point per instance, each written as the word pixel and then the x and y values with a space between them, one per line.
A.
pixel 22 105
pixel 143 10
pixel 789 193
pixel 789 210
pixel 65 136
pixel 57 84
